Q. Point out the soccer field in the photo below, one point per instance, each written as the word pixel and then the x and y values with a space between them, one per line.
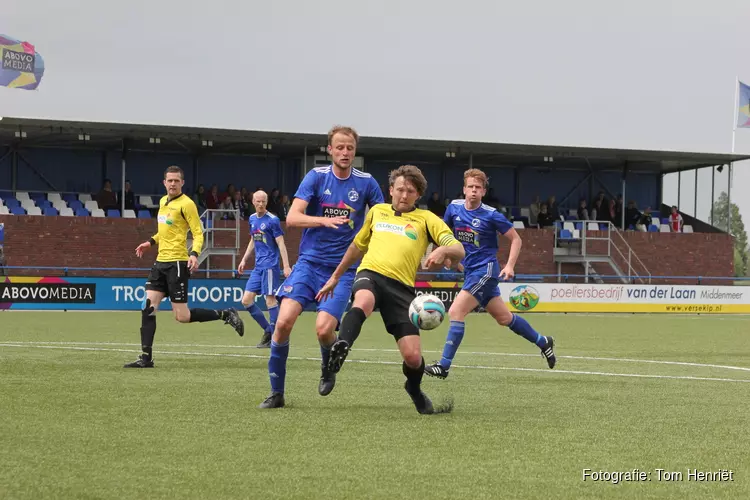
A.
pixel 628 392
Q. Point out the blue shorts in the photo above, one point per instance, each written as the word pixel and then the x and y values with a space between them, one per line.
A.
pixel 264 281
pixel 483 283
pixel 308 278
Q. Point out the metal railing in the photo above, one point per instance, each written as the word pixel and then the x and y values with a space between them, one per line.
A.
pixel 636 269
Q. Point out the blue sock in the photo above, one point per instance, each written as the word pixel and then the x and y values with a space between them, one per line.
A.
pixel 325 352
pixel 455 336
pixel 273 315
pixel 277 366
pixel 525 330
pixel 258 316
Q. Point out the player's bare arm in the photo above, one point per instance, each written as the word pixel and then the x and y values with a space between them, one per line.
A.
pixel 246 257
pixel 352 255
pixel 284 255
pixel 508 272
pixel 454 253
pixel 298 218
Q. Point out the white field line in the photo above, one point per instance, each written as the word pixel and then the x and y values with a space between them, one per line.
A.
pixel 317 359
pixel 475 353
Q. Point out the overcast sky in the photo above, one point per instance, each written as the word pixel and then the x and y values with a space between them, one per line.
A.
pixel 651 74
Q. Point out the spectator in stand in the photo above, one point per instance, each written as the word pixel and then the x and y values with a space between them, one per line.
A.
pixel 544 218
pixel 599 207
pixel 644 221
pixel 229 192
pixel 583 212
pixel 227 206
pixel 632 214
pixel 238 203
pixel 675 220
pixel 244 193
pixel 200 198
pixel 285 206
pixel 129 197
pixel 610 214
pixel 534 209
pixel 435 206
pixel 274 202
pixel 212 199
pixel 552 209
pixel 618 212
pixel 107 199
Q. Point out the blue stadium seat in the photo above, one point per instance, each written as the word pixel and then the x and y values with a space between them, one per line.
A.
pixel 665 220
pixel 6 194
pixel 41 203
pixel 579 226
pixel 50 211
pixel 653 228
pixel 81 212
pixel 75 204
pixel 144 214
pixel 17 210
pixel 565 234
pixel 515 212
pixel 603 227
pixel 571 217
pixel 11 202
pixel 69 197
pixel 113 213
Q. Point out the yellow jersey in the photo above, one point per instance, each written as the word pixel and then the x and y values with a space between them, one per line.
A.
pixel 176 217
pixel 395 242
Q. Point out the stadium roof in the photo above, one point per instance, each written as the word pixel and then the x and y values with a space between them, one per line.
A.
pixel 65 134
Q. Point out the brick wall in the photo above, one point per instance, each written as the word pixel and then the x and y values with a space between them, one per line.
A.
pixel 36 242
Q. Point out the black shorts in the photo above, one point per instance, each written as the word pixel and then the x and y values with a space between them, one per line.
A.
pixel 392 298
pixel 170 278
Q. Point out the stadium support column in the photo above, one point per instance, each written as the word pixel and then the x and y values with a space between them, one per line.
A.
pixel 679 188
pixel 122 185
pixel 304 165
pixel 624 202
pixel 713 184
pixel 14 169
pixel 729 200
pixel 471 160
pixel 695 196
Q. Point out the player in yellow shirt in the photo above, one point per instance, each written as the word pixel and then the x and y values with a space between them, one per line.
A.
pixel 169 274
pixel 393 240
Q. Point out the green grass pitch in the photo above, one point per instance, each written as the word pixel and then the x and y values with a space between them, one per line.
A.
pixel 630 392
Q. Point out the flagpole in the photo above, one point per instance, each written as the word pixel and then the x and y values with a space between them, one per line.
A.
pixel 735 106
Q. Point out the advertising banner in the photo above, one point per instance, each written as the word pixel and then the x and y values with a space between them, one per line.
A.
pixel 122 294
pixel 111 294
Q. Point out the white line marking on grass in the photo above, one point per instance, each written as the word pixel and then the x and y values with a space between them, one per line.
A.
pixel 365 361
pixel 476 353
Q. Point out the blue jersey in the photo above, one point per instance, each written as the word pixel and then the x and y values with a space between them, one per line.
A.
pixel 329 196
pixel 264 231
pixel 477 230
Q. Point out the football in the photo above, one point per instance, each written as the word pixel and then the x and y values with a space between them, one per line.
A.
pixel 426 312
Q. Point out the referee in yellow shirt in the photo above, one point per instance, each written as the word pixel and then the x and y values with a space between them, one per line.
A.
pixel 169 274
pixel 393 240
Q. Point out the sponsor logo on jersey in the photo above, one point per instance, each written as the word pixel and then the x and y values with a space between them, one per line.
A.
pixel 165 219
pixel 467 235
pixel 400 229
pixel 341 209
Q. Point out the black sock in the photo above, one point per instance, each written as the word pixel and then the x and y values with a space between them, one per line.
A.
pixel 352 325
pixel 148 330
pixel 413 377
pixel 201 315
